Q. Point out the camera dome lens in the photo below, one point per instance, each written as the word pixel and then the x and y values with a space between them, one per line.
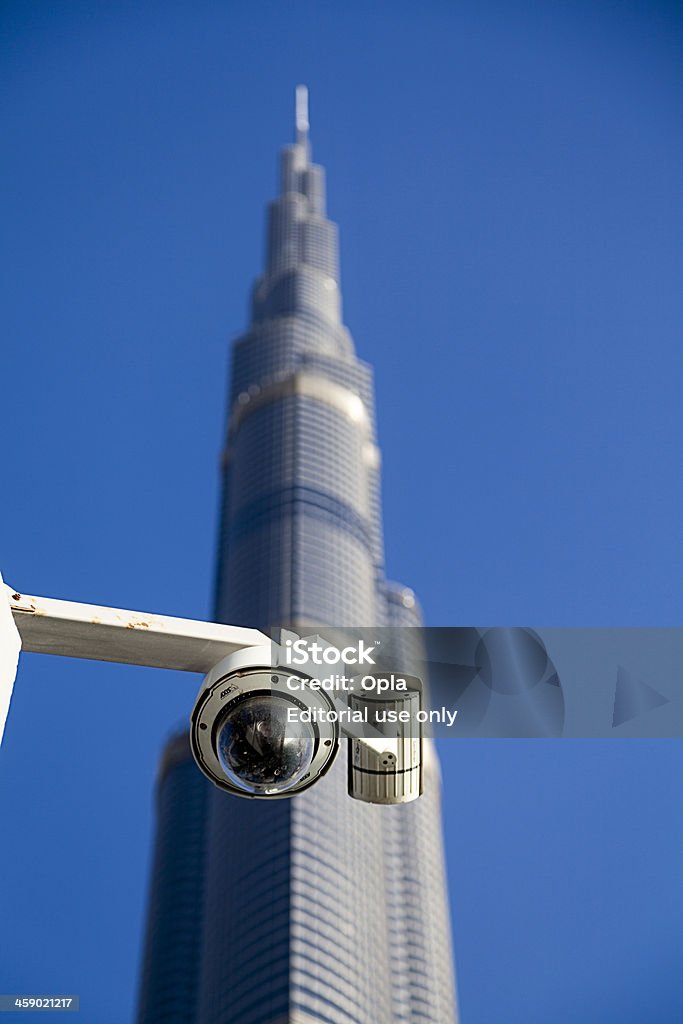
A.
pixel 259 750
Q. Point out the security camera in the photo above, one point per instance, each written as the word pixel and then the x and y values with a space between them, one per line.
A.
pixel 268 718
pixel 248 733
pixel 262 729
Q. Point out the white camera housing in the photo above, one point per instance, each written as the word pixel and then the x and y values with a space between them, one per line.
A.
pixel 246 734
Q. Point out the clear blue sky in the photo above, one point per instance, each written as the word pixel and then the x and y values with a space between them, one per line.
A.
pixel 507 181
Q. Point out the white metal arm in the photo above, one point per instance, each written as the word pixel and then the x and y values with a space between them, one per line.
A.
pixel 47 626
pixel 89 631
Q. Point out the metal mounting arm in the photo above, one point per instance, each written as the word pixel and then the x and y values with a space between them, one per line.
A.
pixel 47 626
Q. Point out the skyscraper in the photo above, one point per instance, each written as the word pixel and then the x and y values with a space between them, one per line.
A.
pixel 318 909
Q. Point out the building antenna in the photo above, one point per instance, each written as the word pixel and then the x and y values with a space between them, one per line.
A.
pixel 302 113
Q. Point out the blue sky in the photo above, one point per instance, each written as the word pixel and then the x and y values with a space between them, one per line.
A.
pixel 506 177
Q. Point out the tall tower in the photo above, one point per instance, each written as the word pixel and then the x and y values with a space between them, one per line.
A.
pixel 317 909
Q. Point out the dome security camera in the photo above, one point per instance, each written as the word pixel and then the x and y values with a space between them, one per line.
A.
pixel 262 728
pixel 248 735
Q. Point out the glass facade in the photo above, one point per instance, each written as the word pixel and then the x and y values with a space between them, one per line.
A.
pixel 321 908
pixel 173 941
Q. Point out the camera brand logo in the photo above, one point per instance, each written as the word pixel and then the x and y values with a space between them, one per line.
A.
pixel 303 652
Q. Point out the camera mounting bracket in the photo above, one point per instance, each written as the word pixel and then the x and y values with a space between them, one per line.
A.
pixel 44 625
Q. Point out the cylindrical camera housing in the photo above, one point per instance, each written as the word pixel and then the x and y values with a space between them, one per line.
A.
pixel 385 757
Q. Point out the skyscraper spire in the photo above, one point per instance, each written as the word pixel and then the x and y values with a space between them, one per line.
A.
pixel 302 125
